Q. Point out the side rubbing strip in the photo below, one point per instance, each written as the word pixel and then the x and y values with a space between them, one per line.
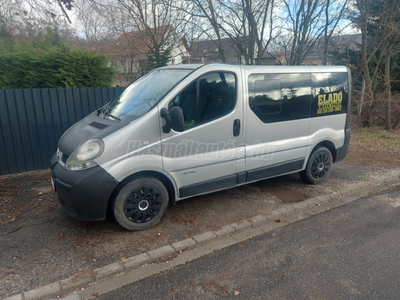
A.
pixel 271 171
pixel 207 186
pixel 239 178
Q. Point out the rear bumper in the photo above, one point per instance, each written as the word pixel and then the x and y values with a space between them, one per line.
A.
pixel 342 151
pixel 83 194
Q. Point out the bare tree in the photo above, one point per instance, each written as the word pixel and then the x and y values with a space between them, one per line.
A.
pixel 199 11
pixel 334 11
pixel 9 17
pixel 156 24
pixel 248 24
pixel 23 19
pixel 388 29
pixel 94 20
pixel 379 23
pixel 46 9
pixel 307 28
pixel 304 25
pixel 363 7
pixel 140 34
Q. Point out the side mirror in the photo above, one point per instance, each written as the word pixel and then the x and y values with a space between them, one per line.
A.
pixel 174 119
pixel 168 121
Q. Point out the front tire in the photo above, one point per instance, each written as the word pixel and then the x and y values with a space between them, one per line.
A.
pixel 141 203
pixel 319 166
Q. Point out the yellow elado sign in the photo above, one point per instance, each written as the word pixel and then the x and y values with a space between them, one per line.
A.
pixel 330 102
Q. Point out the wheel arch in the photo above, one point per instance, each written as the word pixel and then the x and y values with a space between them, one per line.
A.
pixel 319 163
pixel 327 144
pixel 162 177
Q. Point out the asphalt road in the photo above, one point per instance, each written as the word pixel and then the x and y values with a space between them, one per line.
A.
pixel 350 252
pixel 41 244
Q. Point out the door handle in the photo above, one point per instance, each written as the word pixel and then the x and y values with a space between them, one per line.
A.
pixel 236 127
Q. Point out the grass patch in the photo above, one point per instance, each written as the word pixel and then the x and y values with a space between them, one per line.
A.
pixel 376 140
pixel 374 146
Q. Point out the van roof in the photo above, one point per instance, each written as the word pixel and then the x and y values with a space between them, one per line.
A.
pixel 183 66
pixel 270 68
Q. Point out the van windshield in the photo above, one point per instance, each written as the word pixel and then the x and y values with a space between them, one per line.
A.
pixel 144 93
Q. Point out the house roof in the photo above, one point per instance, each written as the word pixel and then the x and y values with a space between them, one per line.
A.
pixel 139 41
pixel 209 48
pixel 142 40
pixel 105 46
pixel 348 41
pixel 338 43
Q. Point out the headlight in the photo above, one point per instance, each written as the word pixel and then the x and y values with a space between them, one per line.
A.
pixel 83 157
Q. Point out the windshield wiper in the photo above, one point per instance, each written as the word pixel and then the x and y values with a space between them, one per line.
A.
pixel 114 117
pixel 103 109
pixel 106 112
pixel 100 111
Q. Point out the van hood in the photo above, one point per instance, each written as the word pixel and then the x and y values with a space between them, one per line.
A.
pixel 94 126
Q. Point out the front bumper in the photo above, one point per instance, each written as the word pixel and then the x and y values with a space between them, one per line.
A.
pixel 83 194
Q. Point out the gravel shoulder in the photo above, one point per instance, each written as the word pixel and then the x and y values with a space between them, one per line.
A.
pixel 40 244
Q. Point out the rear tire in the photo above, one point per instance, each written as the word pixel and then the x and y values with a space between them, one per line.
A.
pixel 319 166
pixel 141 203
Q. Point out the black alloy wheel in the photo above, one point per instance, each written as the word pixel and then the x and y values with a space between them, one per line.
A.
pixel 318 167
pixel 141 203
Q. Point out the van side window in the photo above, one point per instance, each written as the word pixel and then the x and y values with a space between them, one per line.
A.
pixel 209 97
pixel 330 93
pixel 280 97
pixel 267 97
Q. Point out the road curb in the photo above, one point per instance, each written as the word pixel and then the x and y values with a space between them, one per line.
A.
pixel 236 232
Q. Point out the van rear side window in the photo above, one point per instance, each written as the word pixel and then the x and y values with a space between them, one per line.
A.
pixel 330 94
pixel 280 97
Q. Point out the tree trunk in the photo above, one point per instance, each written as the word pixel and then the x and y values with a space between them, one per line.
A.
pixel 324 58
pixel 388 91
pixel 397 124
pixel 361 103
pixel 369 94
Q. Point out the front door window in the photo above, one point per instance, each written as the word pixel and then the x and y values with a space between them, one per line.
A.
pixel 209 97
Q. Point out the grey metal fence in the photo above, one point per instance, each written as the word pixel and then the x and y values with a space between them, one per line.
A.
pixel 33 120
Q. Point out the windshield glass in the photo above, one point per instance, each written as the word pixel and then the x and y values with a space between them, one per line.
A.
pixel 140 96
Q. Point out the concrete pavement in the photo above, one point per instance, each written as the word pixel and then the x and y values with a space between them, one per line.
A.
pixel 350 252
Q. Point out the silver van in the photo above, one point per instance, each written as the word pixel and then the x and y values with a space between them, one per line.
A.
pixel 186 130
